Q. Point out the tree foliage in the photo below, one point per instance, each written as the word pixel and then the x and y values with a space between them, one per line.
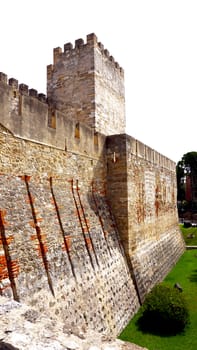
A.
pixel 187 166
pixel 189 162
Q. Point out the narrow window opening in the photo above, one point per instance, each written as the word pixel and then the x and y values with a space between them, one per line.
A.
pixel 96 139
pixel 20 105
pixel 52 119
pixel 77 131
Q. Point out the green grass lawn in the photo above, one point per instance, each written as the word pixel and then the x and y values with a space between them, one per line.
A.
pixel 185 273
pixel 189 234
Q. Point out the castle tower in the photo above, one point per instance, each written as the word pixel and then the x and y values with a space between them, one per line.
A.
pixel 86 84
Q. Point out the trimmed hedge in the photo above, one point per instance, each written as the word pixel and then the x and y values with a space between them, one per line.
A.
pixel 164 311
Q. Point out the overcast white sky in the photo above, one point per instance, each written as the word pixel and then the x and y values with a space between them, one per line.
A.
pixel 155 41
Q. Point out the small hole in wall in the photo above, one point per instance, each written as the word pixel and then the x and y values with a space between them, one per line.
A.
pixel 65 147
pixel 77 131
pixel 14 94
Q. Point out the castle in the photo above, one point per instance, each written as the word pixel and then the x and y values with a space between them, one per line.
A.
pixel 88 217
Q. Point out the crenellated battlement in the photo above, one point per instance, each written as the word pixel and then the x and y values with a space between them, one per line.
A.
pixel 87 84
pixel 53 128
pixel 91 43
pixel 27 115
pixel 22 88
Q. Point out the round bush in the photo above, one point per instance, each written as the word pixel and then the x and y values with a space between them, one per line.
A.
pixel 164 311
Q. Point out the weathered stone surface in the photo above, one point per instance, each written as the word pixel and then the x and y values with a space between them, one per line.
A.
pixel 142 192
pixel 75 255
pixel 42 332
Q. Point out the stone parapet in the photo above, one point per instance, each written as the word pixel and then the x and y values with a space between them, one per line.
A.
pixel 26 114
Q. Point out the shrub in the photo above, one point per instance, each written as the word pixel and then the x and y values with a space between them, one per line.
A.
pixel 164 311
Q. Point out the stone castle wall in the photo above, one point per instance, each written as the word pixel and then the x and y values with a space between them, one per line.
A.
pixel 88 219
pixel 59 249
pixel 144 182
pixel 28 115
